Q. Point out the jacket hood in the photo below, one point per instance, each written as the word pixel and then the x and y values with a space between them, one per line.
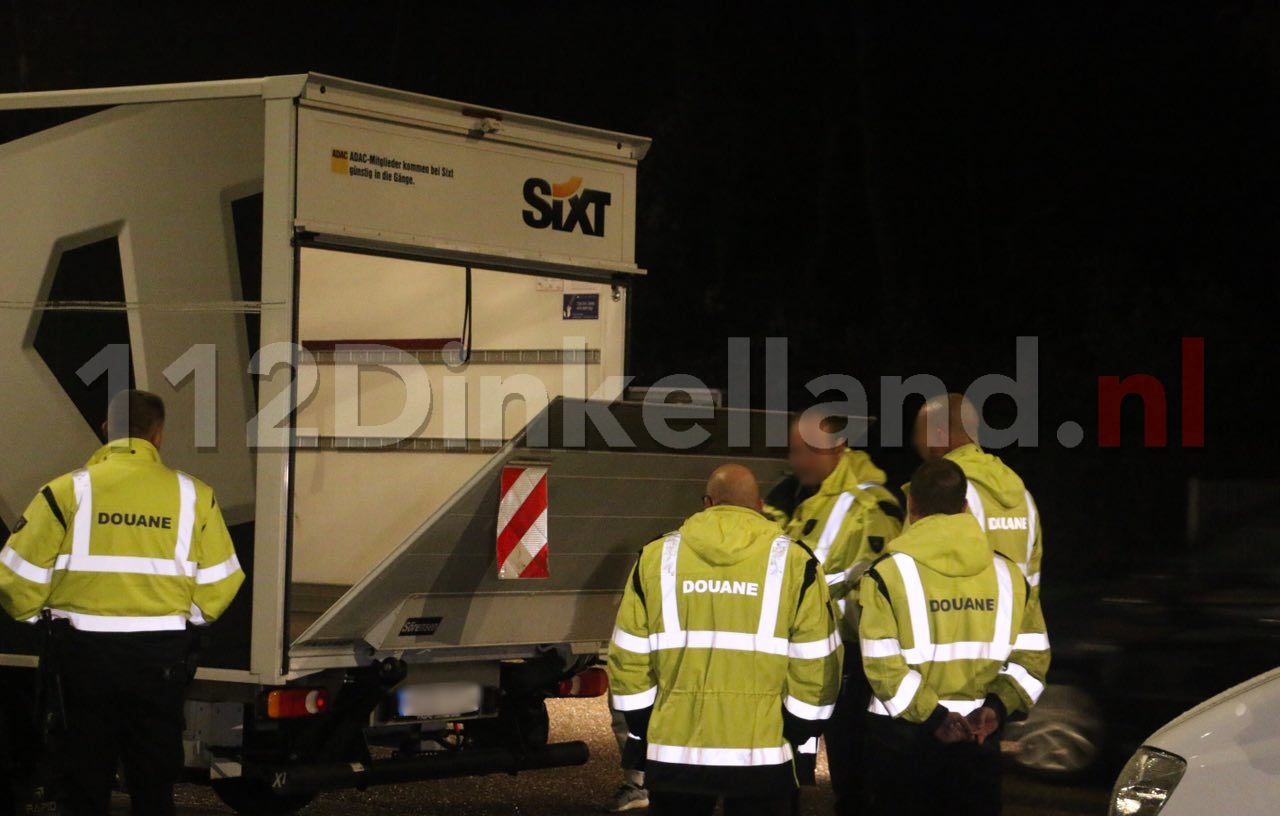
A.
pixel 988 471
pixel 726 535
pixel 854 468
pixel 953 545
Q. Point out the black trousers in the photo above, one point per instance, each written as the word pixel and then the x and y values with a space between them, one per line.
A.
pixel 124 698
pixel 911 773
pixel 689 804
pixel 17 732
pixel 845 736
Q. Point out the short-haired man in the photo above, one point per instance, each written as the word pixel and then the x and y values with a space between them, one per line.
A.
pixel 128 552
pixel 725 658
pixel 950 642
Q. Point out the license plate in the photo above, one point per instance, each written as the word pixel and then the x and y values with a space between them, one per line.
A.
pixel 438 700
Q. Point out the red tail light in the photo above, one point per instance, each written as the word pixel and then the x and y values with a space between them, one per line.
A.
pixel 287 704
pixel 591 683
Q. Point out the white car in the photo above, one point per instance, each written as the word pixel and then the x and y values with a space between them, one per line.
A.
pixel 1221 757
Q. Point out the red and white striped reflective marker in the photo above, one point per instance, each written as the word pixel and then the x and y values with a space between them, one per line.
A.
pixel 522 523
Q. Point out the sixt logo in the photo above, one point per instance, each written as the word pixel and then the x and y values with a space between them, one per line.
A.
pixel 547 200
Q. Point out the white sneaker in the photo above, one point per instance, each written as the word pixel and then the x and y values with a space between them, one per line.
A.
pixel 628 797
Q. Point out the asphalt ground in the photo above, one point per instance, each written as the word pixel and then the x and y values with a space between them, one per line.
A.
pixel 583 790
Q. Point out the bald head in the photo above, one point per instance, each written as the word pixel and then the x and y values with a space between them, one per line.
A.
pixel 733 485
pixel 943 424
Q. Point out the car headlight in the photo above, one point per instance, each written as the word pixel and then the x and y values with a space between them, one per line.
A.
pixel 1146 783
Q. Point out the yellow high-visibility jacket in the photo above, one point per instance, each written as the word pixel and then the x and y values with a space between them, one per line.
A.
pixel 123 545
pixel 949 626
pixel 1001 503
pixel 846 523
pixel 725 657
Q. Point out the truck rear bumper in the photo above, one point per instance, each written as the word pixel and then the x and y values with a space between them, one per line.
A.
pixel 300 779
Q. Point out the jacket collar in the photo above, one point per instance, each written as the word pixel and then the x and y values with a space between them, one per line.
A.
pixel 854 468
pixel 132 448
pixel 963 451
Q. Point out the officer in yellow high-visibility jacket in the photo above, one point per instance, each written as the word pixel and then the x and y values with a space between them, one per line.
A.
pixel 946 428
pixel 725 658
pixel 953 645
pixel 128 552
pixel 836 501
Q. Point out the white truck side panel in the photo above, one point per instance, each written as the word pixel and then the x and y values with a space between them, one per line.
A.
pixel 409 185
pixel 160 179
pixel 266 658
pixel 359 296
pixel 159 173
pixel 371 501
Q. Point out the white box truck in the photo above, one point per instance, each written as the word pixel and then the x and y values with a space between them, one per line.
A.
pixel 301 266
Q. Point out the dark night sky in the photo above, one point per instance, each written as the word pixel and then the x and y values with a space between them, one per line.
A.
pixel 897 193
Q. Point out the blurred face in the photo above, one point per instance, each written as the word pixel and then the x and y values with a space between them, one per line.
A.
pixel 813 458
pixel 921 438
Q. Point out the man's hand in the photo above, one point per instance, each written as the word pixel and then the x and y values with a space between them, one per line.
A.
pixel 983 722
pixel 955 728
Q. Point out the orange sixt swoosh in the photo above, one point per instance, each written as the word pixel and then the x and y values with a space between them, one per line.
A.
pixel 566 188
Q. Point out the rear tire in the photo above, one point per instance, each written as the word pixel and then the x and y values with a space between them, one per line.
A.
pixel 251 797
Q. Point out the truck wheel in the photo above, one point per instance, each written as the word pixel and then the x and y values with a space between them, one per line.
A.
pixel 251 797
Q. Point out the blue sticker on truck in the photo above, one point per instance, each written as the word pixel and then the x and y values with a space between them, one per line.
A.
pixel 582 307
